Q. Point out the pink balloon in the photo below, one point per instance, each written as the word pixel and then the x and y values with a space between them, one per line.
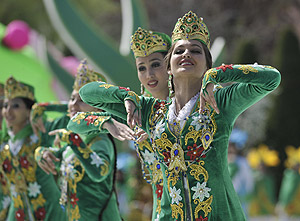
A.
pixel 70 63
pixel 16 35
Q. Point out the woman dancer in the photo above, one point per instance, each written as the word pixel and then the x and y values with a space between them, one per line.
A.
pixel 190 137
pixel 34 194
pixel 87 163
pixel 149 49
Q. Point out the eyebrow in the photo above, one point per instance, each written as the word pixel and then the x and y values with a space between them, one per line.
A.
pixel 153 59
pixel 199 46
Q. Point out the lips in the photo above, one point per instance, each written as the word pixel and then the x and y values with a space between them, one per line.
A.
pixel 152 83
pixel 185 62
pixel 9 119
pixel 73 112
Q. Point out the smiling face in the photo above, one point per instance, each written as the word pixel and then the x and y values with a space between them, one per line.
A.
pixel 188 59
pixel 152 73
pixel 77 105
pixel 15 114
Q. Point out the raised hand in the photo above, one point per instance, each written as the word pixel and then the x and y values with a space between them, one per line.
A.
pixel 133 114
pixel 119 131
pixel 57 139
pixel 47 162
pixel 208 96
pixel 141 134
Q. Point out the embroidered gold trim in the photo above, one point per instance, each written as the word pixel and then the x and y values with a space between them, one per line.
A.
pixel 204 206
pixel 177 210
pixel 106 85
pixel 247 69
pixel 197 170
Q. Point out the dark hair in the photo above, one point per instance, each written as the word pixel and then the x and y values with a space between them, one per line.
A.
pixel 207 53
pixel 28 102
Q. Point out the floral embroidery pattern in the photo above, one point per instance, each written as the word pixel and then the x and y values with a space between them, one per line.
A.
pixel 20 215
pixel 148 157
pixel 185 156
pixel 159 191
pixel 195 152
pixel 40 214
pixel 175 195
pixel 24 162
pixel 20 171
pixel 90 119
pixel 224 67
pixel 201 191
pixel 7 165
pixel 96 160
pixel 201 218
pixel 34 189
pixel 75 139
pixel 124 88
pixel 73 199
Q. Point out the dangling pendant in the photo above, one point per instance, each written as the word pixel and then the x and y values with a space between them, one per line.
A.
pixel 177 159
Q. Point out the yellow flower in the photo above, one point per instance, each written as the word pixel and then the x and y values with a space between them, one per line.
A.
pixel 18 203
pixel 40 201
pixel 264 155
pixel 293 156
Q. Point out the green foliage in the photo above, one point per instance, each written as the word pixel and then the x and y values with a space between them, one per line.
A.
pixel 246 52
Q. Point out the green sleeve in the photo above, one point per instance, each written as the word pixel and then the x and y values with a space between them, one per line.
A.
pixel 108 97
pixel 97 158
pixel 88 122
pixel 38 109
pixel 253 83
pixel 111 99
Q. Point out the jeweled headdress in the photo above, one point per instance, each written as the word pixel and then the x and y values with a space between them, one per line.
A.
pixel 85 75
pixel 144 43
pixel 190 27
pixel 14 88
pixel 264 155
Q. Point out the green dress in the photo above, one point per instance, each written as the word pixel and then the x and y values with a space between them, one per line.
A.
pixel 87 176
pixel 4 195
pixel 192 147
pixel 150 166
pixel 34 194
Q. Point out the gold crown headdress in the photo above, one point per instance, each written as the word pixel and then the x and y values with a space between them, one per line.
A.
pixel 14 88
pixel 293 157
pixel 190 27
pixel 85 75
pixel 263 155
pixel 144 43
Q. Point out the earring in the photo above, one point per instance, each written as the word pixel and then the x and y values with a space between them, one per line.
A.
pixel 142 89
pixel 171 86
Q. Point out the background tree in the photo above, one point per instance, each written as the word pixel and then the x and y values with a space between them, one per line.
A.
pixel 284 122
pixel 246 52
